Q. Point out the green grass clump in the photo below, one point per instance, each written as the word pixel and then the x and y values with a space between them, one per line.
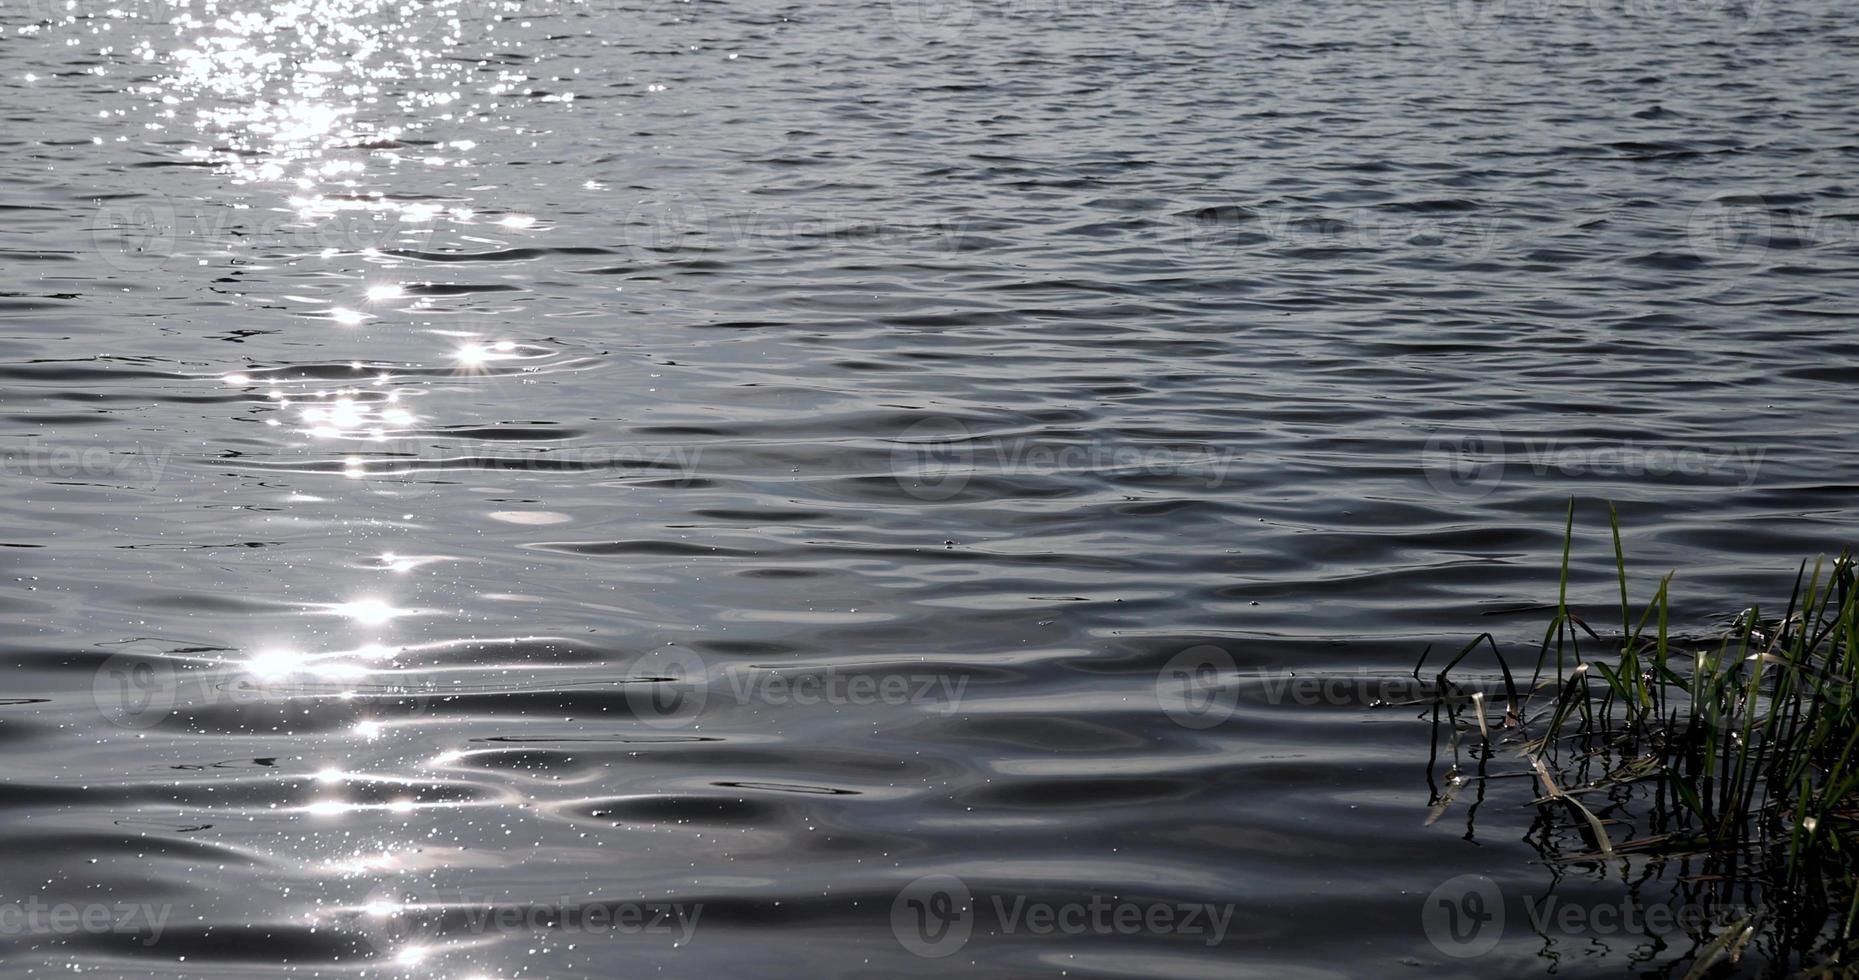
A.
pixel 1727 760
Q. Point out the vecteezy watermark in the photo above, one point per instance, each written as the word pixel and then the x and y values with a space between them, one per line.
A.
pixel 675 222
pixel 1214 231
pixel 1473 463
pixel 1464 464
pixel 1342 689
pixel 140 691
pixel 1466 916
pixel 134 234
pixel 935 458
pixel 1730 229
pixel 935 915
pixel 36 917
pixel 603 918
pixel 949 20
pixel 833 686
pixel 407 929
pixel 1200 688
pixel 28 15
pixel 1471 18
pixel 68 462
pixel 934 20
pixel 145 233
pixel 410 466
pixel 670 687
pixel 1197 687
pixel 1741 228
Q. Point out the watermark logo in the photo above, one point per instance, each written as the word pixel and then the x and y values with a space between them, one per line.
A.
pixel 933 20
pixel 406 468
pixel 1450 18
pixel 1464 464
pixel 139 691
pixel 674 920
pixel 668 687
pixel 1743 228
pixel 1454 19
pixel 134 234
pixel 37 918
pixel 35 12
pixel 720 222
pixel 405 930
pixel 1464 916
pixel 1346 689
pixel 1196 689
pixel 410 467
pixel 134 690
pixel 934 458
pixel 1728 228
pixel 667 224
pixel 1472 464
pixel 396 926
pixel 145 234
pixel 487 12
pixel 949 20
pixel 64 462
pixel 935 915
pixel 1217 231
pixel 841 688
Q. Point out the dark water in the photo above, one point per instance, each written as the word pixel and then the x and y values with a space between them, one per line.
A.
pixel 546 489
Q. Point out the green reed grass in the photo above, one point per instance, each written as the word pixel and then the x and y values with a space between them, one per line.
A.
pixel 1736 749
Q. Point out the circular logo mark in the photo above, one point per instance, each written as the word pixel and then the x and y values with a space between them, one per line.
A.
pixel 1464 916
pixel 933 916
pixel 1463 464
pixel 44 11
pixel 1195 688
pixel 933 459
pixel 133 690
pixel 1457 18
pixel 667 224
pixel 668 687
pixel 396 927
pixel 382 452
pixel 402 467
pixel 933 20
pixel 134 235
pixel 1730 229
pixel 1215 13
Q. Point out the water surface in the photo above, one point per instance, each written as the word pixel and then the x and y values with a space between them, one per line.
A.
pixel 473 465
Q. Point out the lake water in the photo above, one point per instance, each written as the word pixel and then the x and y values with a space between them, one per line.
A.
pixel 593 489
